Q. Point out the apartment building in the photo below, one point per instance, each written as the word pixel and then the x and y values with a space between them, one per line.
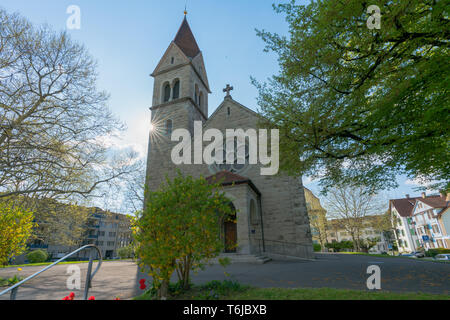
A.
pixel 427 217
pixel 401 211
pixel 108 231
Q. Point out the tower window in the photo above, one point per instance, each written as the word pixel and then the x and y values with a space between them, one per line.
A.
pixel 176 89
pixel 172 60
pixel 166 92
pixel 169 127
pixel 229 111
pixel 200 99
pixel 196 94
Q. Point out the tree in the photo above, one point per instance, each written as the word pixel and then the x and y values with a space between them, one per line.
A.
pixel 59 223
pixel 317 217
pixel 134 189
pixel 351 206
pixel 54 123
pixel 179 229
pixel 360 105
pixel 368 243
pixel 16 225
pixel 126 252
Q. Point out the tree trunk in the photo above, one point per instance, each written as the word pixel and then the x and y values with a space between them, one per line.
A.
pixel 163 290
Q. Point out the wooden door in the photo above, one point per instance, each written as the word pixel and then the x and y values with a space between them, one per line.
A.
pixel 230 236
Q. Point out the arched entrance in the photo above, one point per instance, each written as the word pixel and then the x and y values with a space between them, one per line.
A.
pixel 230 231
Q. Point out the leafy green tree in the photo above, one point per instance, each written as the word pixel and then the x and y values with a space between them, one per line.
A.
pixel 16 225
pixel 126 252
pixel 179 229
pixel 361 105
pixel 369 243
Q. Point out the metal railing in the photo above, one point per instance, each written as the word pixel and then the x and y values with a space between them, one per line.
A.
pixel 89 276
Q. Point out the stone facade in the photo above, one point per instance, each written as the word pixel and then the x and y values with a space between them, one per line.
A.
pixel 271 210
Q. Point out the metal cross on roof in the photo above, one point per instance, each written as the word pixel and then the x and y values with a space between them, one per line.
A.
pixel 228 89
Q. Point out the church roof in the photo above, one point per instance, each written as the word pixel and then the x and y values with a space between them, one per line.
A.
pixel 185 40
pixel 226 178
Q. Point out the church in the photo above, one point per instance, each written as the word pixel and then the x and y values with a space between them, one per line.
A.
pixel 271 218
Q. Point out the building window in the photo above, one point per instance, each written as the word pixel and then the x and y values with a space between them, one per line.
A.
pixel 176 89
pixel 169 127
pixel 196 94
pixel 172 60
pixel 435 228
pixel 166 92
pixel 200 99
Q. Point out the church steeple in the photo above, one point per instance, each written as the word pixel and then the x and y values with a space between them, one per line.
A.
pixel 181 82
pixel 185 40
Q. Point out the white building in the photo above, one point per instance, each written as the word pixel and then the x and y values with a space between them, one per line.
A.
pixel 426 215
pixel 401 219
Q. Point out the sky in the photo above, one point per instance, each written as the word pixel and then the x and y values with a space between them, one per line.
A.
pixel 128 38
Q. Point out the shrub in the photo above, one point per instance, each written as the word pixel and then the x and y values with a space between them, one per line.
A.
pixel 125 252
pixel 213 290
pixel 16 226
pixel 179 228
pixel 433 252
pixel 317 247
pixel 37 256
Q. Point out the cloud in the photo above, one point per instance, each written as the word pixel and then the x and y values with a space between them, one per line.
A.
pixel 418 182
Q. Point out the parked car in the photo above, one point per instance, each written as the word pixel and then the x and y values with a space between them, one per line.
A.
pixel 419 254
pixel 442 256
pixel 407 255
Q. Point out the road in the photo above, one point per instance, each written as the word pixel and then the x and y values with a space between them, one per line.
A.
pixel 328 270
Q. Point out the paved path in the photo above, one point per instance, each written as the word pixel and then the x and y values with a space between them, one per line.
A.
pixel 342 271
pixel 121 278
pixel 115 278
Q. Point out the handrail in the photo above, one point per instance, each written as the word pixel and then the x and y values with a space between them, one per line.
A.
pixel 89 275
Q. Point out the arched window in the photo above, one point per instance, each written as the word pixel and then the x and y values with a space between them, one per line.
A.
pixel 169 127
pixel 176 89
pixel 166 92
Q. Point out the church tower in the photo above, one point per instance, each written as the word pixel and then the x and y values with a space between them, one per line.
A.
pixel 180 97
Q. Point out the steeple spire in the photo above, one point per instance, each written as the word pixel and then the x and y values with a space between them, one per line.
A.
pixel 185 40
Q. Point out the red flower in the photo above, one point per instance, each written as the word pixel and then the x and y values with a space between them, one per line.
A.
pixel 142 281
pixel 91 298
pixel 116 298
pixel 66 298
pixel 72 296
pixel 143 286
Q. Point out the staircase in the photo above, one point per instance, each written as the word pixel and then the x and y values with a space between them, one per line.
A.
pixel 242 258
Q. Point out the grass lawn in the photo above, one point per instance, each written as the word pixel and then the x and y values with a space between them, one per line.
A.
pixel 329 294
pixel 228 290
